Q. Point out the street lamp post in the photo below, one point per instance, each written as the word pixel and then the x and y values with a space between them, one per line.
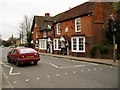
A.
pixel 114 49
pixel 111 21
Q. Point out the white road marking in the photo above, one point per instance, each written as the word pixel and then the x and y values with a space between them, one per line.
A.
pixel 82 70
pixel 93 64
pixel 57 74
pixel 11 69
pixel 48 76
pixel 88 69
pixel 110 66
pixel 66 73
pixel 7 79
pixel 72 66
pixel 27 80
pixel 54 65
pixel 14 82
pixel 37 78
pixel 74 71
pixel 75 61
pixel 100 68
pixel 84 62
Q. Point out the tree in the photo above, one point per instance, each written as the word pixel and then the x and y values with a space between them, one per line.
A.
pixel 25 30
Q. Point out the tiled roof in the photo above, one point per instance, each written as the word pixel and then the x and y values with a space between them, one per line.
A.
pixel 80 10
pixel 77 11
pixel 42 21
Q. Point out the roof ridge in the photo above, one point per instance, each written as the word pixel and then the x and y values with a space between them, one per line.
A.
pixel 83 8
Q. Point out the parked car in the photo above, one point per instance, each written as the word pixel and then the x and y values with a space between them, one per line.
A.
pixel 23 55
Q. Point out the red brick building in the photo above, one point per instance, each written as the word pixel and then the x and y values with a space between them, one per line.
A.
pixel 42 32
pixel 76 30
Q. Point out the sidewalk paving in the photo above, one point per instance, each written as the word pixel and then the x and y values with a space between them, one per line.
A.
pixel 85 59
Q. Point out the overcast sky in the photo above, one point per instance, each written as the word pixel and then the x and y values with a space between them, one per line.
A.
pixel 12 12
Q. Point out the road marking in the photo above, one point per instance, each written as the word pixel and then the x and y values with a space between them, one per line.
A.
pixel 74 71
pixel 7 79
pixel 82 70
pixel 54 65
pixel 72 66
pixel 88 69
pixel 63 67
pixel 57 74
pixel 37 78
pixel 11 69
pixel 48 76
pixel 93 64
pixel 27 80
pixel 75 61
pixel 100 68
pixel 110 66
pixel 84 62
pixel 66 73
pixel 14 82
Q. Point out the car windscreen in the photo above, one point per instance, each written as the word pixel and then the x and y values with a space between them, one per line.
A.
pixel 27 51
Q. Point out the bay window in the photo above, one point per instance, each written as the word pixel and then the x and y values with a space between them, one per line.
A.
pixel 78 44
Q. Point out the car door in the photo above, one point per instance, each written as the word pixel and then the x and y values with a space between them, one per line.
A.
pixel 11 54
pixel 15 55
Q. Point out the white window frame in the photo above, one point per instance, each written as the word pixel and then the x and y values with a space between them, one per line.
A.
pixel 77 44
pixel 58 28
pixel 56 44
pixel 78 23
pixel 42 44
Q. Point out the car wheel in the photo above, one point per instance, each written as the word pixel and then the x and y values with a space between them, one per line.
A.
pixel 8 59
pixel 18 64
pixel 35 63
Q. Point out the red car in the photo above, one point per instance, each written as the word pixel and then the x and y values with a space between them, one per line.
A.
pixel 23 55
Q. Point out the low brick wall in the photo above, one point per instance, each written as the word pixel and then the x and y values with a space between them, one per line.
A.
pixel 108 55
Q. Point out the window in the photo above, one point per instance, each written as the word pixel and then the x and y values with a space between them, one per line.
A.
pixel 42 44
pixel 74 44
pixel 36 34
pixel 27 51
pixel 44 33
pixel 15 52
pixel 57 44
pixel 78 44
pixel 78 25
pixel 58 28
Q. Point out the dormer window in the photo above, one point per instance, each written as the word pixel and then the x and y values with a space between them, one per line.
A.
pixel 58 28
pixel 78 25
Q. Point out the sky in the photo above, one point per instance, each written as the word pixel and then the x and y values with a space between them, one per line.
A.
pixel 13 11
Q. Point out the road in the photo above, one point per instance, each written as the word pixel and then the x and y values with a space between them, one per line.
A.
pixel 53 72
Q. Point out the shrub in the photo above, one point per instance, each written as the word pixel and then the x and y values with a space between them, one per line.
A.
pixel 93 50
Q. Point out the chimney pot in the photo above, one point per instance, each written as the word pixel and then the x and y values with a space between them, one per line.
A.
pixel 47 14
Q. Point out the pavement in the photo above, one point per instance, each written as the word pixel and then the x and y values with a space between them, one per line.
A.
pixel 86 59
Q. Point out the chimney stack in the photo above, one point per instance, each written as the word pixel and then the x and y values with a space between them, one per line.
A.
pixel 47 14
